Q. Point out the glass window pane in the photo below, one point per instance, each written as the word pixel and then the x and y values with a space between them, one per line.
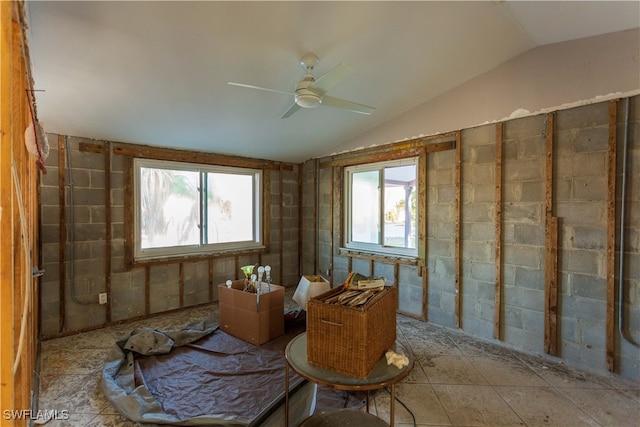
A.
pixel 365 207
pixel 230 208
pixel 169 213
pixel 400 206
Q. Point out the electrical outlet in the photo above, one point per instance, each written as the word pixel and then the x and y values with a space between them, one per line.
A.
pixel 102 298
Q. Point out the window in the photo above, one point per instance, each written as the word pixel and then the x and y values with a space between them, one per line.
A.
pixel 183 208
pixel 381 207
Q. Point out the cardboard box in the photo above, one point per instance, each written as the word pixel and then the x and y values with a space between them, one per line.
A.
pixel 241 317
pixel 351 340
pixel 309 287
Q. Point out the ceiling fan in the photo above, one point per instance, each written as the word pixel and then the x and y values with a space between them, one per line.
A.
pixel 310 93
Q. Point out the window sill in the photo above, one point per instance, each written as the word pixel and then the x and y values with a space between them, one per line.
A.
pixel 379 256
pixel 194 257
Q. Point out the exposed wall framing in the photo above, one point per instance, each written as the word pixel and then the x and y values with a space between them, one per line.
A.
pixel 160 285
pixel 419 147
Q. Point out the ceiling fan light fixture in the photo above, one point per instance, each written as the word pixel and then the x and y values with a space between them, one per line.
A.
pixel 308 99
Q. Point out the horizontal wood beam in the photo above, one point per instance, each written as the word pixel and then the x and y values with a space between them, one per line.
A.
pixel 199 157
pixel 398 150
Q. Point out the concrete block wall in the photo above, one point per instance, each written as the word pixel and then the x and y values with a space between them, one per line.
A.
pixel 127 294
pixel 580 177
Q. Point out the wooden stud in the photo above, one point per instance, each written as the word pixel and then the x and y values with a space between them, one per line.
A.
pixel 129 215
pixel 19 243
pixel 551 248
pixel 423 218
pixel 181 284
pixel 497 319
pixel 147 289
pixel 211 285
pixel 551 286
pixel 62 235
pixel 336 213
pixel 315 216
pixel 266 210
pixel 281 233
pixel 300 213
pixel 422 210
pixel 458 231
pixel 611 238
pixel 425 292
pixel 108 236
pixel 396 275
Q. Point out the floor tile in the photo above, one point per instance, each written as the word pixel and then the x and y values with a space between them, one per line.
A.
pixel 472 405
pixel 506 372
pixel 453 370
pixel 544 406
pixel 414 402
pixel 72 361
pixel 608 407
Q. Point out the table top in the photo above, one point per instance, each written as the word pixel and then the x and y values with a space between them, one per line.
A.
pixel 382 375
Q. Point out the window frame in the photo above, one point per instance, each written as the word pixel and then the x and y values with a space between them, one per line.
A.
pixel 199 249
pixel 380 247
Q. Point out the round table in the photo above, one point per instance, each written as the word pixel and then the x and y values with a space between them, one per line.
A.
pixel 382 375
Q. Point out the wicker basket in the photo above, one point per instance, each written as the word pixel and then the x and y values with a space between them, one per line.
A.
pixel 351 340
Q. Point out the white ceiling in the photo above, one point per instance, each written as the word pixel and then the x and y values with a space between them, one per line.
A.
pixel 156 72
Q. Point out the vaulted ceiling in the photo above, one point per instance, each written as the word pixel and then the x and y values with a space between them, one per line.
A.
pixel 157 72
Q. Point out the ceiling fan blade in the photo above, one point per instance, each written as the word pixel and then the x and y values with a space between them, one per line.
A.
pixel 261 88
pixel 347 105
pixel 294 107
pixel 331 77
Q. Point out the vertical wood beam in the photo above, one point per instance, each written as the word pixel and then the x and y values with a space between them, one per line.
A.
pixel 300 219
pixel 18 212
pixel 107 220
pixel 281 233
pixel 181 284
pixel 497 319
pixel 7 307
pixel 423 218
pixel 211 287
pixel 129 214
pixel 611 238
pixel 551 249
pixel 458 231
pixel 422 210
pixel 331 225
pixel 147 289
pixel 266 207
pixel 62 236
pixel 315 216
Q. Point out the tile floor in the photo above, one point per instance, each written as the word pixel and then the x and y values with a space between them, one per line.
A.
pixel 456 381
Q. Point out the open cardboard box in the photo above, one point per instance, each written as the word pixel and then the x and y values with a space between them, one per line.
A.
pixel 309 287
pixel 243 317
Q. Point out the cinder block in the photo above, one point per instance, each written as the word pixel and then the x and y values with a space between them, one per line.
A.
pixel 581 237
pixel 590 188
